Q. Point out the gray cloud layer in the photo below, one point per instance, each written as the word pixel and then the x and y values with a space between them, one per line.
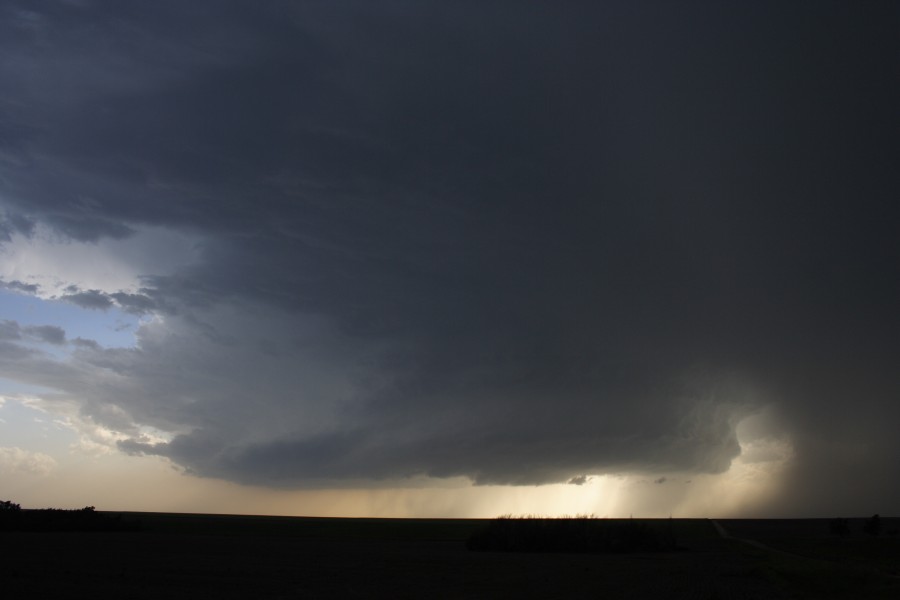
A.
pixel 518 245
pixel 50 334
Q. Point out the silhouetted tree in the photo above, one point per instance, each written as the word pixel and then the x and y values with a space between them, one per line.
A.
pixel 873 525
pixel 13 518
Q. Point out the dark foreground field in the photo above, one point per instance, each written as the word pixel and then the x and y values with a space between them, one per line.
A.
pixel 199 556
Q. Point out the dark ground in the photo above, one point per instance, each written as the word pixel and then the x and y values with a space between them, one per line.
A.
pixel 197 556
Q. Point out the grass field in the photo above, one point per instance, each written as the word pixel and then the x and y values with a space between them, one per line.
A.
pixel 191 556
pixel 813 538
pixel 809 558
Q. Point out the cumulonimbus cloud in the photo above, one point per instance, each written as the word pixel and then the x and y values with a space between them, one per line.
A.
pixel 513 263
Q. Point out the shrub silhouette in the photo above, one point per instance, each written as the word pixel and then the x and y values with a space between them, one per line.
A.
pixel 873 525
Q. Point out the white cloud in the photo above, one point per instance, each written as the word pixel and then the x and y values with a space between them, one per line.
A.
pixel 17 460
pixel 55 262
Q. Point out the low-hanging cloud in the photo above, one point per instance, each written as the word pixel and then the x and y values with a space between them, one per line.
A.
pixel 429 246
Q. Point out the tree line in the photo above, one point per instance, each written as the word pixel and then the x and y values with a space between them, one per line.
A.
pixel 14 518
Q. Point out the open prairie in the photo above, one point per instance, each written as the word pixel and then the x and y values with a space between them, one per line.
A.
pixel 191 556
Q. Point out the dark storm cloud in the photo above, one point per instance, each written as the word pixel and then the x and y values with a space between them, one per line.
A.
pixel 10 224
pixel 550 239
pixel 92 299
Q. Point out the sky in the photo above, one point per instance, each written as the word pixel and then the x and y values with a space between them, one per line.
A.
pixel 450 259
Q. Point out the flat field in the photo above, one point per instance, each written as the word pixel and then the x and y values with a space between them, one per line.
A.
pixel 198 556
pixel 855 561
